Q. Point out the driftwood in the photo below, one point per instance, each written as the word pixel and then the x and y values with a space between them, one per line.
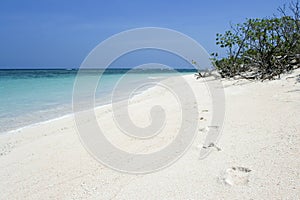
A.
pixel 204 74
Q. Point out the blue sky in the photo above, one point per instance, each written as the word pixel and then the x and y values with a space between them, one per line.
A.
pixel 60 34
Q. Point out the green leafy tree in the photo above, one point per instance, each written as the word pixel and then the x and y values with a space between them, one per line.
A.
pixel 261 48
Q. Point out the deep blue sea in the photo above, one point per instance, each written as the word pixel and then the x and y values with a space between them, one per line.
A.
pixel 32 96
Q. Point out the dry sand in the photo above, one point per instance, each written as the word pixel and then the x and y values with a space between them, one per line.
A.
pixel 257 156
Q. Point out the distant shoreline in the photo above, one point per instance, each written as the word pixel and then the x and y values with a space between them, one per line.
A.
pixel 99 69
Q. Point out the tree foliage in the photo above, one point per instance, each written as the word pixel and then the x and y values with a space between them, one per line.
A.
pixel 261 48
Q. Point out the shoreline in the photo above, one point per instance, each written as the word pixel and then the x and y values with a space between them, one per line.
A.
pixel 70 115
pixel 256 156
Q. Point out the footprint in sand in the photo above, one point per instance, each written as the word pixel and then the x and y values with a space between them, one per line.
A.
pixel 236 176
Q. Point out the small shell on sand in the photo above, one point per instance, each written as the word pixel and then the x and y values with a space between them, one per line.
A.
pixel 236 176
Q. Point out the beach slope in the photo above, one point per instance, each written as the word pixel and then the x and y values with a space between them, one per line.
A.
pixel 256 157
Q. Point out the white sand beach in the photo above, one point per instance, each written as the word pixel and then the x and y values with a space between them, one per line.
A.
pixel 257 155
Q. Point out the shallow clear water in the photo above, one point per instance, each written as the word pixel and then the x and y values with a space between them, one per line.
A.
pixel 31 96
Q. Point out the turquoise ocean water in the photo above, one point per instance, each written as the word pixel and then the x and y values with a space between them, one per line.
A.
pixel 31 96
